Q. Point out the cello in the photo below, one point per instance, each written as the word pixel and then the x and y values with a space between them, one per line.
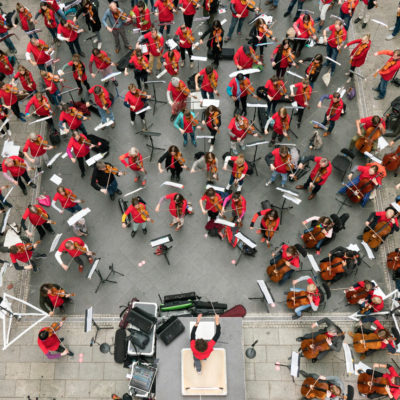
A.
pixel 371 341
pixel 312 238
pixel 393 260
pixel 368 384
pixel 297 299
pixel 278 270
pixel 366 142
pixel 391 161
pixel 356 193
pixel 329 269
pixel 312 347
pixel 312 389
pixel 354 296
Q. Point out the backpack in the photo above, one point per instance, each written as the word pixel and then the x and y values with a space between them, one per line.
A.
pixel 125 312
pixel 316 141
pixel 54 137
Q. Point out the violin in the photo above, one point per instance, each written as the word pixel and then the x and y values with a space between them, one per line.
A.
pixel 180 159
pixel 368 384
pixel 319 176
pixel 41 142
pixel 60 292
pixel 82 249
pixel 312 389
pixel 74 112
pixel 193 121
pixel 143 63
pixel 143 212
pixel 112 170
pixel 391 161
pixel 248 3
pixel 287 160
pixel 103 100
pixel 264 31
pixel 278 270
pixel 54 327
pixel 212 167
pixel 4 61
pixel 189 36
pixel 120 15
pixel 244 85
pixel 53 77
pixel 90 12
pixel 69 194
pixel 213 80
pixel 246 126
pixel 104 58
pixel 312 347
pixel 364 342
pixel 329 269
pixel 215 118
pixel 169 4
pixel 217 35
pixel 79 69
pixel 365 143
pixel 393 260
pixel 27 247
pixel 27 14
pixel 20 164
pixel 297 299
pixel 183 89
pixel 43 215
pixel 287 53
pixel 312 238
pixel 374 237
pixel 43 47
pixel 11 89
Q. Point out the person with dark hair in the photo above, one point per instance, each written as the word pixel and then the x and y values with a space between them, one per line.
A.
pixel 301 97
pixel 336 388
pixel 213 203
pixel 75 247
pixel 5 130
pixel 202 348
pixel 358 54
pixel 53 296
pixel 70 119
pixel 184 37
pixel 41 53
pixel 25 252
pixel 141 13
pixel 103 63
pixel 50 82
pixel 269 224
pixel 91 14
pixel 140 65
pixel 215 40
pixel 174 163
pixel 238 172
pixel 275 91
pixel 188 9
pixel 238 89
pixel 212 119
pixel 14 169
pixel 364 125
pixel 6 65
pixel 334 42
pixel 392 376
pixel 104 179
pixel 238 207
pixel 155 44
pixel 347 10
pixel 9 95
pixel 186 123
pixel 4 28
pixel 260 34
pixel 140 216
pixel 239 13
pixel 279 161
pixel 26 79
pixel 290 255
pixel 67 199
pixel 103 101
pixel 209 82
pixel 78 149
pixel 313 70
pixel 326 225
pixel 49 17
pixel 78 72
pixel 39 218
pixel 333 113
pixel 387 72
pixel 165 13
pixel 177 208
pixel 136 100
pixel 68 32
pixel 50 343
pixel 282 58
pixel 239 127
pixel 304 27
pixel 280 122
pixel 171 61
pixel 245 57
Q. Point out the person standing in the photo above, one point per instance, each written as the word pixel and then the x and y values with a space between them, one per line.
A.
pixel 260 34
pixel 104 179
pixel 67 199
pixel 38 149
pixel 26 78
pixel 333 112
pixel 68 32
pixel 239 171
pixel 91 14
pixel 174 163
pixel 141 13
pixel 396 28
pixel 135 100
pixel 301 97
pixel 134 160
pixel 304 27
pixel 177 94
pixel 245 57
pixel 238 129
pixel 155 44
pixel 25 253
pixel 5 130
pixel 275 92
pixel 314 68
pixel 334 42
pixel 165 13
pixel 41 53
pixel 291 6
pixel 238 207
pixel 177 208
pixel 71 119
pixel 103 102
pixel 282 58
pixel 213 203
pixel 103 63
pixel 209 163
pixel 140 65
pixel 50 82
pixel 78 72
pixel 9 95
pixel 188 8
pixel 387 72
pixel 209 82
pixel 14 169
pixel 365 5
pixel 185 38
pixel 171 61
pixel 186 123
pixel 215 40
pixel 212 119
pixel 78 149
pixel 4 28
pixel 49 17
pixel 280 126
pixel 239 13
pixel 347 10
pixel 140 216
pixel 26 20
pixel 324 6
pixel 358 54
pixel 279 161
pixel 75 247
pixel 39 218
pixel 238 89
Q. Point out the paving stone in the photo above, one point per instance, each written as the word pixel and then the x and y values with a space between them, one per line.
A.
pixel 91 371
pixel 2 370
pixel 63 370
pixel 11 354
pixel 98 356
pixel 17 370
pixel 25 387
pixel 101 388
pixel 249 371
pixel 121 386
pixel 86 351
pixel 290 390
pixel 31 353
pixel 8 388
pixel 257 389
pixel 42 370
pixel 77 388
pixel 267 372
pixel 52 388
pixel 114 371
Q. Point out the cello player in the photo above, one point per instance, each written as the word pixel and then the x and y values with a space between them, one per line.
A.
pixel 313 296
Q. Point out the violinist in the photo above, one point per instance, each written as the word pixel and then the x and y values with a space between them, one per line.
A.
pixel 210 9
pixel 238 129
pixel 282 58
pixel 240 10
pixel 280 122
pixel 67 199
pixel 238 89
pixel 208 162
pixel 38 148
pixel 49 17
pixel 50 82
pixel 186 123
pixel 103 101
pixel 213 203
pixel 14 169
pixel 41 52
pixel 314 386
pixel 371 128
pixel 171 61
pixel 239 171
pixel 155 44
pixel 238 207
pixel 42 108
pixel 312 296
pixel 304 27
pixel 4 28
pixel 55 7
pixel 78 72
pixel 334 337
pixel 103 63
pixel 140 216
pixel 370 172
pixel 165 13
pixel 68 32
pixel 6 65
pixel 9 94
pixel 245 57
pixel 78 149
pixel 275 91
pixel 91 14
pixel 26 79
pixel 290 257
pixel 177 208
pixel 301 97
pixel 26 19
pixel 318 176
pixel 136 100
pixel 142 14
pixel 189 8
pixel 347 10
pixel 174 163
pixel 71 119
pixel 39 218
pixel 140 65
pixel 314 68
pixel 134 160
pixel 215 40
pixel 280 163
pixel 390 386
pixel 177 94
pixel 325 225
pixel 269 224
pixel 212 119
pixel 185 38
pixel 50 343
pixel 209 82
pixel 387 72
pixel 25 253
pixel 358 54
pixel 114 20
pixel 334 43
pixel 104 179
pixel 333 113
pixel 75 247
pixel 52 296
pixel 260 34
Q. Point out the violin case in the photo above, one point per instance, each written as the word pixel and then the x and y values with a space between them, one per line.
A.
pixel 227 54
pixel 124 61
pixel 170 330
pixel 123 205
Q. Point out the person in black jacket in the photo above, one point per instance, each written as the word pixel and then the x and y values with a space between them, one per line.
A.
pixel 174 163
pixel 334 337
pixel 103 179
pixel 215 41
pixel 91 14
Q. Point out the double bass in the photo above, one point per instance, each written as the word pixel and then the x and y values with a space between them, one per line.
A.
pixel 368 384
pixel 329 269
pixel 312 389
pixel 297 299
pixel 393 260
pixel 391 161
pixel 366 142
pixel 278 270
pixel 312 347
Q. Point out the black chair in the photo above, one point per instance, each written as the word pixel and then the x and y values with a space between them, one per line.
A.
pixel 343 161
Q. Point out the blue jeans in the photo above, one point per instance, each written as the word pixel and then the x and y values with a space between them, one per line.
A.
pixel 298 310
pixel 104 115
pixel 350 184
pixel 275 2
pixel 232 27
pixel 4 203
pixel 396 29
pixel 43 68
pixel 287 275
pixel 112 187
pixel 331 52
pixel 8 42
pixel 61 14
pixel 382 88
pixel 299 6
pixel 74 209
pixel 204 94
pixel 275 175
pixel 331 123
pixel 346 18
pixel 135 226
pixel 232 178
pixel 185 139
pixel 55 98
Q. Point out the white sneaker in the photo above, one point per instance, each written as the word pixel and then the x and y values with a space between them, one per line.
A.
pixel 191 65
pixel 390 37
pixel 211 149
pixel 268 183
pixel 133 123
pixel 95 40
pixel 182 63
pixel 348 80
pixel 99 45
pixel 209 140
pixel 8 132
pixel 391 28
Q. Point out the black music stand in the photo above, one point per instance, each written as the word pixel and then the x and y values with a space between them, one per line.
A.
pixel 106 279
pixel 162 249
pixel 342 203
pixel 155 94
pixel 151 145
pixel 255 159
pixel 243 240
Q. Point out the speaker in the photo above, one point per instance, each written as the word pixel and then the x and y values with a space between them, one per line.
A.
pixel 170 330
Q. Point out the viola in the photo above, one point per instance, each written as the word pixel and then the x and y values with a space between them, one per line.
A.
pixel 27 247
pixel 54 327
pixel 60 292
pixel 278 270
pixel 365 143
pixel 364 342
pixel 312 389
pixel 393 260
pixel 312 238
pixel 329 269
pixel 312 347
pixel 368 384
pixel 374 237
pixel 391 161
pixel 297 299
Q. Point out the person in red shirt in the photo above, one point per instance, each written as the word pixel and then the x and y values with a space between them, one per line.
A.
pixel 41 53
pixel 38 150
pixel 213 203
pixel 318 176
pixel 50 344
pixel 209 82
pixel 202 348
pixel 371 304
pixel 171 62
pixel 177 208
pixel 238 207
pixel 393 388
pixel 50 82
pixel 261 35
pixel 245 57
pixel 134 160
pixel 42 108
pixel 290 255
pixel 279 161
pixel 347 10
pixel 275 91
pixel 238 89
pixel 55 7
pixel 140 216
pixel 281 125
pixel 177 94
pixel 70 120
pixel 103 63
pixel 313 296
pixel 282 58
pixel 334 42
pixel 6 65
pixel 14 169
pixel 269 224
pixel 211 118
pixel 9 95
pixel 4 28
pixel 363 125
pixel 333 113
pixel 358 54
pixel 68 32
pixel 78 72
pixel 304 27
pixel 53 296
pixel 174 163
pixel 80 145
pixel 155 44
pixel 49 17
pixel 103 101
pixel 186 123
pixel 25 253
pixel 165 13
pixel 135 100
pixel 188 9
pixel 387 72
pixel 75 247
pixel 26 20
pixel 39 218
pixel 142 15
pixel 26 78
pixel 67 199
pixel 239 13
pixel 140 65
pixel 371 171
pixel 185 39
pixel 301 97
pixel 365 286
pixel 239 171
pixel 238 129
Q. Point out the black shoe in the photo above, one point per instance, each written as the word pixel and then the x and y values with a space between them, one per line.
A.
pixel 359 237
pixel 79 91
pixel 178 179
pixel 61 338
pixel 112 196
pixel 50 167
pixel 70 353
pixel 363 25
pixel 357 20
pixel 115 83
pixel 41 256
pixel 173 116
pixel 82 174
pixel 144 231
pixel 82 54
pixel 299 339
pixel 118 192
pixel 24 191
pixel 314 360
pixel 286 14
pixel 133 233
pixel 298 125
pixel 295 316
pixel 32 185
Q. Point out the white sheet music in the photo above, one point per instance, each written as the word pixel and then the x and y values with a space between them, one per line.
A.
pixel 246 240
pixel 133 191
pixel 382 143
pixel 173 184
pixel 313 263
pixel 349 359
pixel 353 247
pixel 89 319
pixel 94 159
pixel 77 216
pixel 36 121
pixel 171 44
pixel 395 206
pixel 162 73
pixel 143 110
pixel 287 191
pixel 56 179
pixel 10 149
pixel 198 58
pixel 204 137
pixel 225 222
pixel 160 241
pixel 253 105
pixel 6 121
pixel 64 156
pixel 361 366
pixel 379 22
pixel 210 102
pixel 55 242
pixel 292 199
pixel 257 143
pixel 265 291
pixel 101 126
pixel 53 159
pixel 94 266
pixel 5 220
pixel 294 365
pixel 112 75
pixel 8 193
pixel 216 188
pixel 2 272
pixel 244 72
pixel 296 75
pixel 370 254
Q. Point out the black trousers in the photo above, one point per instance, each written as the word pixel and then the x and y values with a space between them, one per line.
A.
pixel 176 172
pixel 317 187
pixel 280 72
pixel 213 134
pixel 300 113
pixel 183 52
pixel 81 162
pixel 79 84
pixel 242 100
pixel 188 20
pixel 42 231
pixel 212 214
pixel 15 109
pixel 216 54
pixel 26 179
pixel 140 76
pixel 298 46
pixel 276 136
pixel 133 115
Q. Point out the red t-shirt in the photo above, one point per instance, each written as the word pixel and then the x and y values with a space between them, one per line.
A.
pixel 135 102
pixel 316 169
pixel 169 67
pixel 75 71
pixel 364 174
pixel 235 167
pixel 177 95
pixel 238 132
pixel 294 261
pixel 172 205
pixel 80 149
pixel 338 110
pixel 241 59
pixel 240 9
pixel 367 122
pixel 73 252
pixel 67 32
pixel 274 92
pixel 35 219
pixel 279 165
pixel 164 14
pixel 36 149
pixel 206 85
pixel 24 256
pixel 40 110
pixel 263 224
pixel 152 45
pixel 52 343
pixel 5 66
pixel 49 18
pixel 14 170
pixel 97 98
pixel 72 122
pixel 50 84
pixel 183 40
pixel 210 206
pixel 100 64
pixel 24 82
pixel 300 97
pixel 137 217
pixel 65 201
pixel 39 55
pixel 333 41
pixel 279 125
pixel 129 162
pixel 141 19
pixel 188 7
pixel 359 59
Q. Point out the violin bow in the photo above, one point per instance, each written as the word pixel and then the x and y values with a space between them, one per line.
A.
pixel 191 122
pixel 377 234
pixel 280 87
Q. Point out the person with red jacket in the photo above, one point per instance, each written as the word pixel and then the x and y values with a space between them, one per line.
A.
pixel 171 61
pixel 140 65
pixel 141 13
pixel 41 53
pixel 14 169
pixel 39 218
pixel 188 8
pixel 393 388
pixel 304 27
pixel 337 37
pixel 290 255
pixel 70 120
pixel 80 145
pixel 9 95
pixel 67 199
pixel 103 102
pixel 53 296
pixel 55 7
pixel 279 161
pixel 275 91
pixel 26 20
pixel 239 13
pixel 103 63
pixel 155 44
pixel 245 57
pixel 209 82
pixel 49 17
pixel 358 54
pixel 365 285
pixel 50 344
pixel 280 126
pixel 25 253
pixel 26 78
pixel 301 97
pixel 364 124
pixel 269 224
pixel 140 216
pixel 238 129
pixel 68 32
pixel 347 10
pixel 135 100
pixel 165 13
pixel 134 160
pixel 213 203
pixel 283 58
pixel 202 348
pixel 238 89
pixel 185 39
pixel 78 72
pixel 333 113
pixel 4 28
pixel 75 247
pixel 387 72
pixel 50 82
pixel 313 295
pixel 177 94
pixel 239 171
pixel 177 208
pixel 37 148
pixel 318 176
pixel 238 207
pixel 6 65
pixel 42 108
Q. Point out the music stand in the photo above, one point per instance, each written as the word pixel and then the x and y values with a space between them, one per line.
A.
pixel 255 159
pixel 342 203
pixel 155 94
pixel 160 243
pixel 287 195
pixel 106 279
pixel 150 136
pixel 89 321
pixel 256 107
pixel 267 297
pixel 245 241
pixel 204 140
